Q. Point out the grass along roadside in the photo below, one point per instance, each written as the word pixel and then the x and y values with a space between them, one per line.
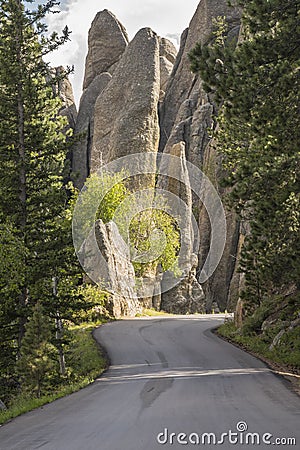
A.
pixel 283 360
pixel 153 313
pixel 86 361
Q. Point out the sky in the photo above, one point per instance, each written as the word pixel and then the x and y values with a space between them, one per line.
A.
pixel 165 17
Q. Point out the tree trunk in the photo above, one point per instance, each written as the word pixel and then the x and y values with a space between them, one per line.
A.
pixel 22 176
pixel 59 334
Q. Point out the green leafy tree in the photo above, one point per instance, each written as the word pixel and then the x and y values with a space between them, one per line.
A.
pixel 152 234
pixel 102 195
pixel 155 240
pixel 256 86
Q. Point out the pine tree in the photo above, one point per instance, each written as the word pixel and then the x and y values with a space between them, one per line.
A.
pixel 33 196
pixel 36 364
pixel 32 144
pixel 11 278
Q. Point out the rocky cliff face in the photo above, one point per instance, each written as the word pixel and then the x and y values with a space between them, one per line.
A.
pixel 84 129
pixel 142 97
pixel 106 44
pixel 167 60
pixel 64 91
pixel 185 115
pixel 185 98
pixel 187 296
pixel 124 119
pixel 125 114
pixel 112 263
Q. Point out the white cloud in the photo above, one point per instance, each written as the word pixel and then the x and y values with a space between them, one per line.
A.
pixel 163 16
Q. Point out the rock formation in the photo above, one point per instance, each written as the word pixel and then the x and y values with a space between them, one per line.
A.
pixel 84 129
pixel 64 91
pixel 184 87
pixel 185 115
pixel 133 94
pixel 125 115
pixel 109 260
pixel 107 42
pixel 167 52
pixel 142 97
pixel 187 296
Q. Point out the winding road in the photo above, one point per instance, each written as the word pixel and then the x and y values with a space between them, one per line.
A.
pixel 172 384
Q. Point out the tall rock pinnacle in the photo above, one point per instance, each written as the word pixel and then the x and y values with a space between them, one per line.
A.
pixel 106 44
pixel 107 41
pixel 126 116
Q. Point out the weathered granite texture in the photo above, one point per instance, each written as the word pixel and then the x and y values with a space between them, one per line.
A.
pixel 106 43
pixel 110 261
pixel 125 115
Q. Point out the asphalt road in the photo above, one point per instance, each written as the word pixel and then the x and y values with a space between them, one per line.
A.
pixel 168 375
